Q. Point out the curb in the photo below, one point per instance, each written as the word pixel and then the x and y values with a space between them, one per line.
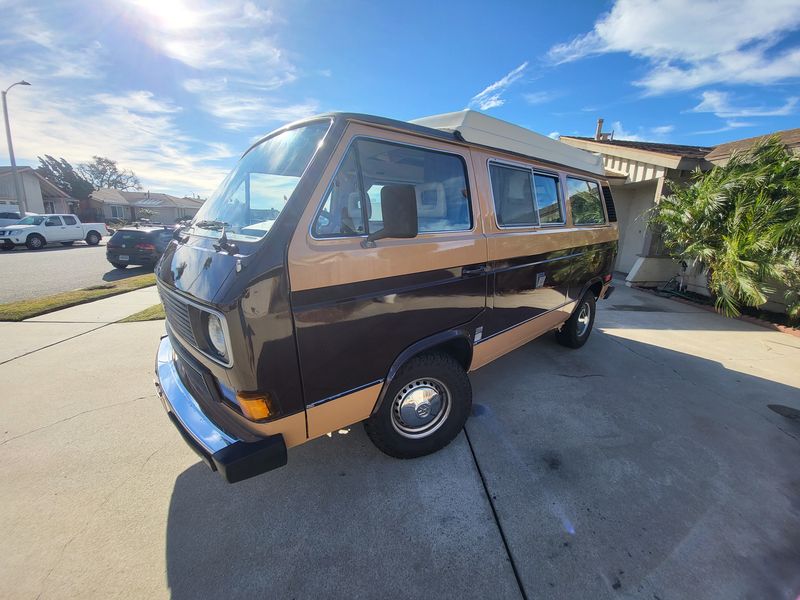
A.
pixel 746 318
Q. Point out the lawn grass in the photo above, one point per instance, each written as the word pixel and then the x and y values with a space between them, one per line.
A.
pixel 25 309
pixel 154 313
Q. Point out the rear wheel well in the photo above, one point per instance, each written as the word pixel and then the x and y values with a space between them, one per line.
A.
pixel 459 348
pixel 596 288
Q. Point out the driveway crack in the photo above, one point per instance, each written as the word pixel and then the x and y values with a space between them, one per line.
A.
pixel 496 518
pixel 75 416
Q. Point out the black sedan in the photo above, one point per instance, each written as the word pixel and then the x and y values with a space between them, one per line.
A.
pixel 137 245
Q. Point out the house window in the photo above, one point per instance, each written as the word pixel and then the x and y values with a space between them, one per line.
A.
pixel 584 200
pixel 118 212
pixel 49 207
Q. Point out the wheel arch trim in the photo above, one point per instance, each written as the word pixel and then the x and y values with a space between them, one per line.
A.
pixel 460 336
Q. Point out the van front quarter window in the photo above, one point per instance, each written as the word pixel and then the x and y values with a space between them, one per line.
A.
pixel 249 200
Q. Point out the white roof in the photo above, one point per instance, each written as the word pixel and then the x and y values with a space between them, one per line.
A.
pixel 484 130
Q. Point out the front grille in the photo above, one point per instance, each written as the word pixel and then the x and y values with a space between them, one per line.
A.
pixel 177 311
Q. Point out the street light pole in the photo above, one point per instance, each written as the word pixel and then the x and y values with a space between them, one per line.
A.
pixel 18 187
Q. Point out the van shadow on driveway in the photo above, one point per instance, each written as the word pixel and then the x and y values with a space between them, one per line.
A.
pixel 621 468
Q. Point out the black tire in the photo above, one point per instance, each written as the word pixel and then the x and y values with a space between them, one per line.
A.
pixel 93 238
pixel 119 265
pixel 67 243
pixel 439 373
pixel 35 242
pixel 575 332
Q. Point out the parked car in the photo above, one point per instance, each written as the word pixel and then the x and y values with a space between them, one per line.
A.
pixel 137 246
pixel 36 231
pixel 363 278
pixel 9 218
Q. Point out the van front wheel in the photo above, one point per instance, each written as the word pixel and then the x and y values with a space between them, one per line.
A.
pixel 424 408
pixel 576 330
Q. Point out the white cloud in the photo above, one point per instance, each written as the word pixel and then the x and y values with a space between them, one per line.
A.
pixel 539 97
pixel 729 125
pixel 491 96
pixel 140 101
pixel 691 43
pixel 659 133
pixel 49 52
pixel 721 105
pixel 233 54
pixel 141 135
pixel 243 111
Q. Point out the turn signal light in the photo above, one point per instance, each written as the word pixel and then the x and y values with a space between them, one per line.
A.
pixel 255 406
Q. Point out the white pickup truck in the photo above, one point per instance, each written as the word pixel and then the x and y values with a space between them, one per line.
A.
pixel 39 230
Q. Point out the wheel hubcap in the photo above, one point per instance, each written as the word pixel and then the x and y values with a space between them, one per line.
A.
pixel 420 408
pixel 584 316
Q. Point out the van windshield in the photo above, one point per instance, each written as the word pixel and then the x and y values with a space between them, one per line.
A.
pixel 249 200
pixel 31 221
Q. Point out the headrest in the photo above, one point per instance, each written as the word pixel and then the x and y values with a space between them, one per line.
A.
pixel 431 200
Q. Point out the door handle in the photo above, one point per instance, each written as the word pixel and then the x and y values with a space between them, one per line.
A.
pixel 473 271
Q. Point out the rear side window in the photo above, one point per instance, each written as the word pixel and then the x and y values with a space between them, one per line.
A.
pixel 513 196
pixel 352 205
pixel 70 220
pixel 585 202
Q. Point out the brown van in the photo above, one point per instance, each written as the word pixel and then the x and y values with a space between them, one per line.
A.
pixel 355 268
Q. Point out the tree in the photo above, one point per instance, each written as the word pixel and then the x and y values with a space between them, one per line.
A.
pixel 740 221
pixel 104 173
pixel 61 174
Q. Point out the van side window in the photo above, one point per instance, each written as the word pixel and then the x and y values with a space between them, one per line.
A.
pixel 584 200
pixel 513 196
pixel 439 180
pixel 70 220
pixel 547 200
pixel 341 214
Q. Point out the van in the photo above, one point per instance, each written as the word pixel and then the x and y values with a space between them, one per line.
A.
pixel 357 268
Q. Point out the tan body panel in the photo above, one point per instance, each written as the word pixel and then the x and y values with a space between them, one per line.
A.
pixel 506 341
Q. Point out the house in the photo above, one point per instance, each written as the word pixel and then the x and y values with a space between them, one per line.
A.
pixel 722 153
pixel 105 204
pixel 41 196
pixel 639 173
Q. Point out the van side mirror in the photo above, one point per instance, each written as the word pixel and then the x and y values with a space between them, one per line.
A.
pixel 399 211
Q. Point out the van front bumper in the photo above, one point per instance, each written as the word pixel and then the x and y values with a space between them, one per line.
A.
pixel 234 459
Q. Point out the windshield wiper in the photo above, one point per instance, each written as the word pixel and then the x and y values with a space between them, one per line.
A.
pixel 212 225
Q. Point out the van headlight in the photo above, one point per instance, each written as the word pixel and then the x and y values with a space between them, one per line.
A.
pixel 216 335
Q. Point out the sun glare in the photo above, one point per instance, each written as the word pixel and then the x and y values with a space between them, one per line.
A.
pixel 169 14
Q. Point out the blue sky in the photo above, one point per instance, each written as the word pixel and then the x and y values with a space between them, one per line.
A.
pixel 177 89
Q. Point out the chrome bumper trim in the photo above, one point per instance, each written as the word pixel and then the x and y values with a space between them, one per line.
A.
pixel 178 401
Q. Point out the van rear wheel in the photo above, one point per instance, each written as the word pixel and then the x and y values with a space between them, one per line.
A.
pixel 424 409
pixel 576 330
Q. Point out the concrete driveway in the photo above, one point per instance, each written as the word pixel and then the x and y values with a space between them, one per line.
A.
pixel 645 465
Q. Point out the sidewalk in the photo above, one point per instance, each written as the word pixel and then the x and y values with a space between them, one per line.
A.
pixel 55 327
pixel 107 310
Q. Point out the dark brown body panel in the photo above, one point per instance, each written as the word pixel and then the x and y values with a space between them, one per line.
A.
pixel 349 335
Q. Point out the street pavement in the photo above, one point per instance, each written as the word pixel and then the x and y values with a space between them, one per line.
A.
pixel 30 274
pixel 647 464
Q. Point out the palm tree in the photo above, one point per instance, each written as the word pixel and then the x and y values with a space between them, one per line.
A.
pixel 741 221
